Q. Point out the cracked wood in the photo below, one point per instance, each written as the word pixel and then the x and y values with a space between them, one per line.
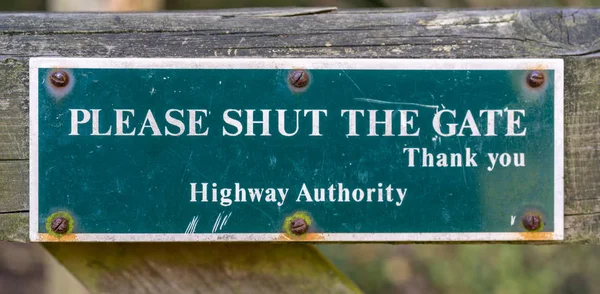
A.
pixel 573 34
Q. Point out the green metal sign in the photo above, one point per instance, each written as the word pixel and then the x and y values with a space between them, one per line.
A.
pixel 296 149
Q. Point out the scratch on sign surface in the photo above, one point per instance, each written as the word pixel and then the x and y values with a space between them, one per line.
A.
pixel 191 228
pixel 221 221
pixel 370 100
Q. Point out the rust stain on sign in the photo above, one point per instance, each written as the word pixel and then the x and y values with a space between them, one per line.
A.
pixel 50 238
pixel 301 238
pixel 537 236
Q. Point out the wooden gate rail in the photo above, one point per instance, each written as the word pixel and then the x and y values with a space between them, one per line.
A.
pixel 572 34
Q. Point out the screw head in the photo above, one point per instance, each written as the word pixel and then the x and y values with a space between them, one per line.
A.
pixel 536 78
pixel 59 78
pixel 298 78
pixel 532 221
pixel 60 225
pixel 298 226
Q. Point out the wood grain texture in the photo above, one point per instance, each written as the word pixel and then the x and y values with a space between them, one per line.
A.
pixel 14 186
pixel 200 268
pixel 322 32
pixel 14 227
pixel 582 151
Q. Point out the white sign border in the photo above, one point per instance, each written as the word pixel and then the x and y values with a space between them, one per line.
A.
pixel 309 63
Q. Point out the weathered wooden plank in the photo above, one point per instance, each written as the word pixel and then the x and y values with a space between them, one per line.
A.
pixel 200 267
pixel 582 150
pixel 498 33
pixel 14 227
pixel 14 177
pixel 572 34
pixel 14 111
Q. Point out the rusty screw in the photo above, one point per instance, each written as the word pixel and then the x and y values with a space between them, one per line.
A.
pixel 59 78
pixel 532 221
pixel 60 225
pixel 298 78
pixel 535 78
pixel 298 226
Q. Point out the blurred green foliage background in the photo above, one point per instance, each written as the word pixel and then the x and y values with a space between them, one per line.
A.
pixel 489 268
pixel 380 268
